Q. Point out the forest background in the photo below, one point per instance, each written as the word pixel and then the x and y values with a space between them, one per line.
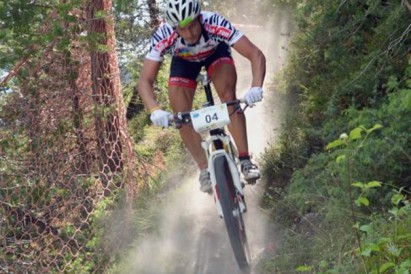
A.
pixel 77 148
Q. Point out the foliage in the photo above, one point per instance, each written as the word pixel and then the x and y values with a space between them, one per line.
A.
pixel 133 29
pixel 386 240
pixel 349 65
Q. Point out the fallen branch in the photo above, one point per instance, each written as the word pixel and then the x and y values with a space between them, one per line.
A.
pixel 14 71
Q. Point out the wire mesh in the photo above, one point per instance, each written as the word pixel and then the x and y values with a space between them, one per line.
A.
pixel 65 154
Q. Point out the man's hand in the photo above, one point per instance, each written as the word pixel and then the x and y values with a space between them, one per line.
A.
pixel 254 95
pixel 159 118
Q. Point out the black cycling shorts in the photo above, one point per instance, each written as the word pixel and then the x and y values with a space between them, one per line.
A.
pixel 184 73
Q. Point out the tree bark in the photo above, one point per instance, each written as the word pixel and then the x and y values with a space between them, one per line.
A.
pixel 110 119
pixel 154 12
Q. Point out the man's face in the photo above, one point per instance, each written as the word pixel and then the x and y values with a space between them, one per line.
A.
pixel 191 32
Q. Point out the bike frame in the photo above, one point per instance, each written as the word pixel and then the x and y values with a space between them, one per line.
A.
pixel 219 144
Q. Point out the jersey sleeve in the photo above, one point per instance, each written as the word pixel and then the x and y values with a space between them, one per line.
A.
pixel 220 28
pixel 161 42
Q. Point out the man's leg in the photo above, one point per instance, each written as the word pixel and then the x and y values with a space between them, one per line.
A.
pixel 181 99
pixel 182 86
pixel 224 77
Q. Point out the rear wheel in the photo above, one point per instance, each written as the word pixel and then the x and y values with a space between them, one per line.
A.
pixel 233 218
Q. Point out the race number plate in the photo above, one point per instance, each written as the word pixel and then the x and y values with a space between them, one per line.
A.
pixel 210 118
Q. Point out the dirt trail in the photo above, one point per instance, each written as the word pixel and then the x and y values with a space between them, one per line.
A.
pixel 192 238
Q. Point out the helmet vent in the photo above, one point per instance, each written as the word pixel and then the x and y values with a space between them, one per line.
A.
pixel 179 10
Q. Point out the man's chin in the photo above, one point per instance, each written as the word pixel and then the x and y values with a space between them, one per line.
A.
pixel 189 43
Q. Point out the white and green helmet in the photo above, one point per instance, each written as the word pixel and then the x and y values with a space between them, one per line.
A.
pixel 182 12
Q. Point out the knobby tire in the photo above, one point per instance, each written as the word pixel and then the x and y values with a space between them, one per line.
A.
pixel 234 222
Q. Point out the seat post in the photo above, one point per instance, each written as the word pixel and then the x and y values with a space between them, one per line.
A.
pixel 205 81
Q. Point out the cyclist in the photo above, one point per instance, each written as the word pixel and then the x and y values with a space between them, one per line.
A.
pixel 197 39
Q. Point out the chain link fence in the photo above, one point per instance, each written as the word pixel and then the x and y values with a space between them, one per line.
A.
pixel 65 157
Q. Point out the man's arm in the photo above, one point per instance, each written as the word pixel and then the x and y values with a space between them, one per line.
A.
pixel 145 87
pixel 250 51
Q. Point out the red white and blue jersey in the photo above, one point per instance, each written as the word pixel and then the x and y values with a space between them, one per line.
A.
pixel 215 30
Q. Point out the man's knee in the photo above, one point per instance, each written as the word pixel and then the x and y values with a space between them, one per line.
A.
pixel 225 80
pixel 181 98
pixel 226 92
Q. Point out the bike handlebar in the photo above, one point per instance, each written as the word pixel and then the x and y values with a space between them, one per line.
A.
pixel 180 118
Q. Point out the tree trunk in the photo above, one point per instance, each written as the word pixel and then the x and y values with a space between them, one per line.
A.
pixel 110 114
pixel 153 11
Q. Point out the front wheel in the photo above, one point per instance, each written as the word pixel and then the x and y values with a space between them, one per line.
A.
pixel 233 218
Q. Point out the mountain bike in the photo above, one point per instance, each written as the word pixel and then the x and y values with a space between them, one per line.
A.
pixel 223 166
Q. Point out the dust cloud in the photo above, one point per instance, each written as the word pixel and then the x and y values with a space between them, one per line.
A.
pixel 191 237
